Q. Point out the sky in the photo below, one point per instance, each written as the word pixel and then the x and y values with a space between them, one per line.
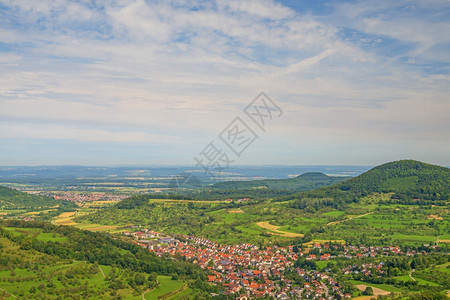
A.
pixel 178 82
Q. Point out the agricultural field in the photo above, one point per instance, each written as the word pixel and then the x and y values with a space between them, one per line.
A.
pixel 383 288
pixel 168 287
pixel 275 230
pixel 86 208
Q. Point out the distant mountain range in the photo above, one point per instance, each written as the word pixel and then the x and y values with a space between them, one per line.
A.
pixel 304 182
pixel 234 172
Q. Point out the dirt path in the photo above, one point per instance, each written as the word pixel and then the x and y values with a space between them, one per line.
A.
pixel 143 294
pixel 410 276
pixel 101 270
pixel 360 216
pixel 274 230
pixel 8 293
pixel 148 290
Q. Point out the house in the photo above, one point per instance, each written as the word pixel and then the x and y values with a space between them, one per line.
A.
pixel 166 240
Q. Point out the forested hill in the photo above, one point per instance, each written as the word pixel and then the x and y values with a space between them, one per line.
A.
pixel 13 199
pixel 408 181
pixel 305 182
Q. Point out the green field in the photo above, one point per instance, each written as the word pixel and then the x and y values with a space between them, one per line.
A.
pixel 166 286
pixel 333 213
pixel 37 233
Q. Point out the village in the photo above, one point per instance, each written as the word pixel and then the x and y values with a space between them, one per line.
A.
pixel 78 197
pixel 250 272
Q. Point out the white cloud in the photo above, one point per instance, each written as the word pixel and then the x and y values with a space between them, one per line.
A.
pixel 57 132
pixel 134 71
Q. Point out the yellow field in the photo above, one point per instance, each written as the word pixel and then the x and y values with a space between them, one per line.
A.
pixel 274 230
pixel 32 213
pixel 376 291
pixel 99 203
pixel 66 218
pixel 96 227
pixel 66 214
pixel 236 211
pixel 435 217
pixel 309 245
pixel 68 222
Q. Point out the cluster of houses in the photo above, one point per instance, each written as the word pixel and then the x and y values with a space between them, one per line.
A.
pixel 246 270
pixel 352 251
pixel 85 197
pixel 250 272
pixel 368 269
pixel 78 197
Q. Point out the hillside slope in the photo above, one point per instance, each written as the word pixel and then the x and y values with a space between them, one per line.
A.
pixel 13 199
pixel 407 181
pixel 44 261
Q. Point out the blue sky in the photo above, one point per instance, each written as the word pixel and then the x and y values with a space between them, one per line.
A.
pixel 154 82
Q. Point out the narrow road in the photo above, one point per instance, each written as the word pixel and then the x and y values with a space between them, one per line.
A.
pixel 410 276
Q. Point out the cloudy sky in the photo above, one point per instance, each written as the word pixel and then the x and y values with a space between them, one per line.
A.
pixel 99 82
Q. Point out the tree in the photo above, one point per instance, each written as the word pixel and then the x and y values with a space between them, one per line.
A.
pixel 139 279
pixel 368 291
pixel 32 289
